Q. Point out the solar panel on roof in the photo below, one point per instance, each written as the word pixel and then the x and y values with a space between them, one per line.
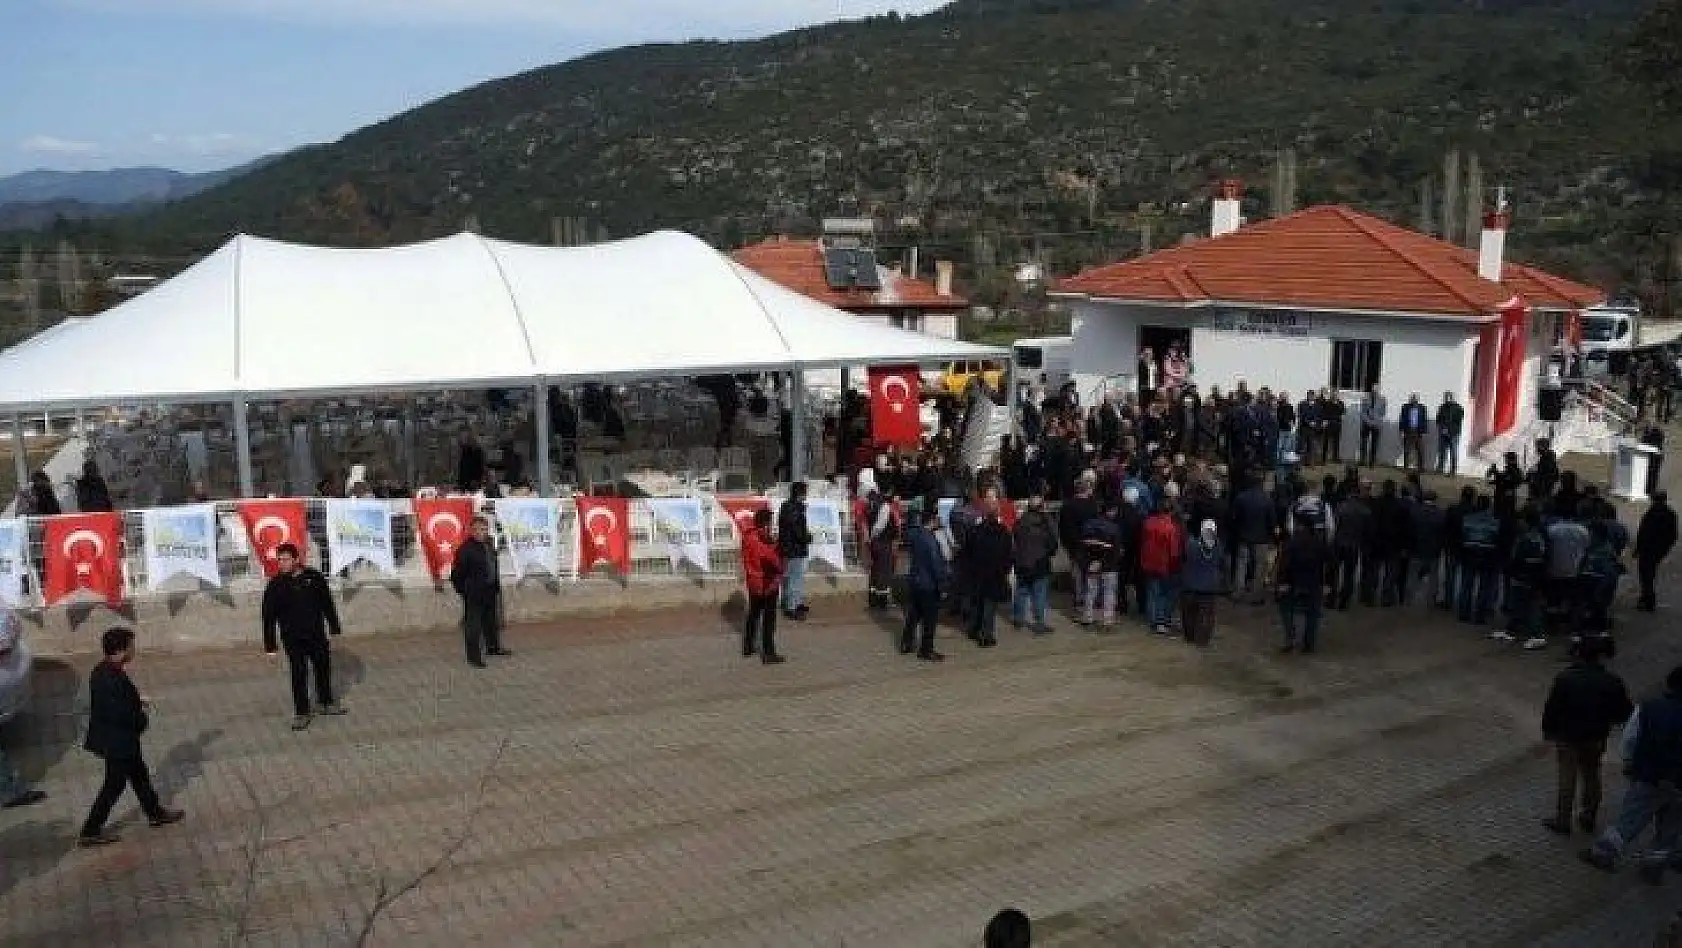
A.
pixel 865 276
pixel 836 266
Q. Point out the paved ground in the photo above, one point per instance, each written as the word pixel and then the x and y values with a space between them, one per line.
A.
pixel 654 789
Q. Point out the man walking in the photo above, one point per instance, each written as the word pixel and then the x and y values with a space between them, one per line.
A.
pixel 116 719
pixel 1451 418
pixel 1655 537
pixel 926 581
pixel 1374 409
pixel 477 578
pixel 1586 702
pixel 762 571
pixel 298 605
pixel 1412 423
pixel 1652 750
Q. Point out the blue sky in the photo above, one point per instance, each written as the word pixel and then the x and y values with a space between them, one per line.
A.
pixel 204 84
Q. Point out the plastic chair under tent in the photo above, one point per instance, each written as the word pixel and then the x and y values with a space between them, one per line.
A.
pixel 735 465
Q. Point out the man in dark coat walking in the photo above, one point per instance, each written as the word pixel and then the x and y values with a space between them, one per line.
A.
pixel 477 579
pixel 1586 702
pixel 989 556
pixel 1655 537
pixel 298 604
pixel 116 719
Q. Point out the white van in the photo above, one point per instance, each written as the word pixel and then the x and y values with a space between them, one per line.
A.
pixel 1052 357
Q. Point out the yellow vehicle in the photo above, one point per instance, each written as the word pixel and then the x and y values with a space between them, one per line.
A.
pixel 958 375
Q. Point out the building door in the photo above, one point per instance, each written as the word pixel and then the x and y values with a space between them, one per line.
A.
pixel 1170 348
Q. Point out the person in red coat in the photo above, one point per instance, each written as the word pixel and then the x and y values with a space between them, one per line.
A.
pixel 1162 547
pixel 762 569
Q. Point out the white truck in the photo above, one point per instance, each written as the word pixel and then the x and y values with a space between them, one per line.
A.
pixel 1615 331
pixel 1052 357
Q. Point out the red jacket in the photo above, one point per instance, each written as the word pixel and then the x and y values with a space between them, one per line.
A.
pixel 1162 545
pixel 762 565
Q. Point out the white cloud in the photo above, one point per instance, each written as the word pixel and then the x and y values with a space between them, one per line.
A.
pixel 53 145
pixel 206 144
pixel 628 19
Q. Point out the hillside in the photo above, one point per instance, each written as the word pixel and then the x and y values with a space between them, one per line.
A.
pixel 1025 122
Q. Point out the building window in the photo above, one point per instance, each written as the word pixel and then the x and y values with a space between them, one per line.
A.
pixel 906 319
pixel 1356 364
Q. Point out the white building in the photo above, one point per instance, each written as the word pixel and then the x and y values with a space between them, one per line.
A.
pixel 1330 297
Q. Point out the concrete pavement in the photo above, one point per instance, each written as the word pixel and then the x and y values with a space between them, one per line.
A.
pixel 654 788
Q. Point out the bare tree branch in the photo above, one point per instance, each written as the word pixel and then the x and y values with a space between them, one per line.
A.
pixel 256 845
pixel 385 896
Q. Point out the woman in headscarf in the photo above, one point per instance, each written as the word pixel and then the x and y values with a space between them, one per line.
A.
pixel 1201 582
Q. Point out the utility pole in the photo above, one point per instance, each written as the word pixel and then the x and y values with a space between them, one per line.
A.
pixel 1474 202
pixel 1427 207
pixel 1451 196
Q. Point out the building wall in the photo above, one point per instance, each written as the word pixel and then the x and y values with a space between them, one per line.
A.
pixel 1420 354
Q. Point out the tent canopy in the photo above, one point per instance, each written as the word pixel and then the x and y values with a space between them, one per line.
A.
pixel 261 318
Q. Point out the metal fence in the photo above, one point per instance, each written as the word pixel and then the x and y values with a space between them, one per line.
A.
pixel 242 573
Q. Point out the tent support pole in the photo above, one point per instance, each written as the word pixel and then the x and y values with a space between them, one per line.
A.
pixel 242 448
pixel 411 464
pixel 545 483
pixel 20 460
pixel 1012 408
pixel 797 439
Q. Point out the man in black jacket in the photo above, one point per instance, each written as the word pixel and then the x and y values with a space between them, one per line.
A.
pixel 116 719
pixel 1654 539
pixel 1586 702
pixel 794 542
pixel 1652 751
pixel 299 606
pixel 478 581
pixel 1451 418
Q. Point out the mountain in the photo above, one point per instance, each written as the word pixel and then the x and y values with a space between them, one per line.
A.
pixel 995 127
pixel 117 186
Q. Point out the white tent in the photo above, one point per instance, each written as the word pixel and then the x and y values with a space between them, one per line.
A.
pixel 260 318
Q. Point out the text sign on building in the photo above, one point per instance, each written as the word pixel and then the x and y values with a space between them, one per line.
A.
pixel 1263 322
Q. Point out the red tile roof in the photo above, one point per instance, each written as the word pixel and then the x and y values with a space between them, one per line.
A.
pixel 1328 257
pixel 798 265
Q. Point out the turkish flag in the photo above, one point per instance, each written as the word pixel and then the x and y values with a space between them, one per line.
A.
pixel 84 551
pixel 604 533
pixel 742 510
pixel 270 523
pixel 895 410
pixel 1007 513
pixel 1515 336
pixel 443 524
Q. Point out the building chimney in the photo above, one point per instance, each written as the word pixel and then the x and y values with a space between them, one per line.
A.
pixel 1492 248
pixel 1228 200
pixel 943 277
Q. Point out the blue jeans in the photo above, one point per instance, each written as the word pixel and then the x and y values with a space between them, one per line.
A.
pixel 1099 602
pixel 1646 803
pixel 1034 593
pixel 1308 604
pixel 1477 592
pixel 1161 593
pixel 794 584
pixel 1246 560
pixel 1448 454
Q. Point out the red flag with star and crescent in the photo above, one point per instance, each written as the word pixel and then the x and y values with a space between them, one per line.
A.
pixel 443 524
pixel 83 552
pixel 742 510
pixel 895 406
pixel 270 523
pixel 604 533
